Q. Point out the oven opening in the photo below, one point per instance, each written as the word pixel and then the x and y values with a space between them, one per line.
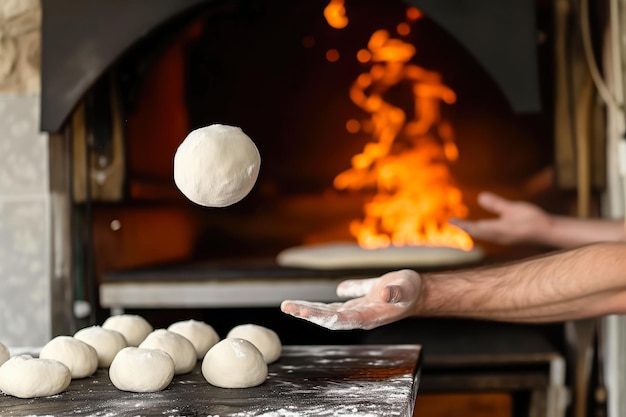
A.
pixel 376 121
pixel 375 133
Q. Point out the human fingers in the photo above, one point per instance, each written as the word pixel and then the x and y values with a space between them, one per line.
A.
pixel 493 202
pixel 299 307
pixel 477 228
pixel 353 288
pixel 325 315
pixel 466 225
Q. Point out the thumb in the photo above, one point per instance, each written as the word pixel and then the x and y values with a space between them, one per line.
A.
pixel 391 294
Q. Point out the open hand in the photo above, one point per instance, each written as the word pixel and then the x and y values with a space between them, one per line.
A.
pixel 517 221
pixel 378 301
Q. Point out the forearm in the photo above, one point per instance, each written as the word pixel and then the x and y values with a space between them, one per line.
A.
pixel 583 282
pixel 570 232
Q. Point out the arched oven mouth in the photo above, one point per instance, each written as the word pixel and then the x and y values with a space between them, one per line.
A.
pixel 459 85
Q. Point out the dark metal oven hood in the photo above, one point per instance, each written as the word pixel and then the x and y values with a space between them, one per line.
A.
pixel 81 40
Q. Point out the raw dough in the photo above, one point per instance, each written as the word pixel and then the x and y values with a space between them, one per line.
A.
pixel 141 370
pixel 4 354
pixel 106 342
pixel 200 334
pixel 345 255
pixel 216 165
pixel 234 363
pixel 78 356
pixel 26 377
pixel 134 328
pixel 266 340
pixel 178 347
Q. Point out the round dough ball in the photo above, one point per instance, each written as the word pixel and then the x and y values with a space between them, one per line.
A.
pixel 78 356
pixel 200 334
pixel 106 342
pixel 216 165
pixel 266 340
pixel 26 377
pixel 134 328
pixel 178 347
pixel 141 370
pixel 234 363
pixel 4 354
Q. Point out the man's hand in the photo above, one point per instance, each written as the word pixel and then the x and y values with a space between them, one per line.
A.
pixel 378 301
pixel 517 221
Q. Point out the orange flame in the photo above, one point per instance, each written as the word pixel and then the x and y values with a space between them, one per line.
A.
pixel 407 163
pixel 335 14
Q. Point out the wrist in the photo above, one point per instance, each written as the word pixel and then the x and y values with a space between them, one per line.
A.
pixel 543 232
pixel 422 302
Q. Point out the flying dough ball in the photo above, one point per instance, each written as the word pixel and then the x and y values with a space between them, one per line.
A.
pixel 216 165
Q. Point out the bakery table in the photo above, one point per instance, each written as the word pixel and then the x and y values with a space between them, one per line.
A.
pixel 363 380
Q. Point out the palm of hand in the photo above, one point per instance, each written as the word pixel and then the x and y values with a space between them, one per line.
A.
pixel 379 301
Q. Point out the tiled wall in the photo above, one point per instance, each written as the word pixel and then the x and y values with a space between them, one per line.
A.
pixel 25 318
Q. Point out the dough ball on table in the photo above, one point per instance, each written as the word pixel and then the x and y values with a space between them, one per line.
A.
pixel 78 356
pixel 4 354
pixel 200 334
pixel 26 377
pixel 178 347
pixel 134 328
pixel 106 342
pixel 266 340
pixel 141 370
pixel 234 363
pixel 216 165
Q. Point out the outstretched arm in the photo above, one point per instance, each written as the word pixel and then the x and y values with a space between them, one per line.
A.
pixel 585 282
pixel 523 222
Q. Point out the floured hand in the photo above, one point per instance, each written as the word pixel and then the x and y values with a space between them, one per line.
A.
pixel 378 301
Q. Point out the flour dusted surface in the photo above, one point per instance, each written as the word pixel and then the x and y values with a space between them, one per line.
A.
pixel 306 381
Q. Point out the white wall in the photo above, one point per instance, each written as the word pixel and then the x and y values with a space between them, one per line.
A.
pixel 25 313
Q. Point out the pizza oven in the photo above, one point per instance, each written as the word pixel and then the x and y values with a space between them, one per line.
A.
pixel 456 102
pixel 457 109
pixel 340 98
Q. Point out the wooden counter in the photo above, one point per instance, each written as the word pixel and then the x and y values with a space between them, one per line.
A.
pixel 366 380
